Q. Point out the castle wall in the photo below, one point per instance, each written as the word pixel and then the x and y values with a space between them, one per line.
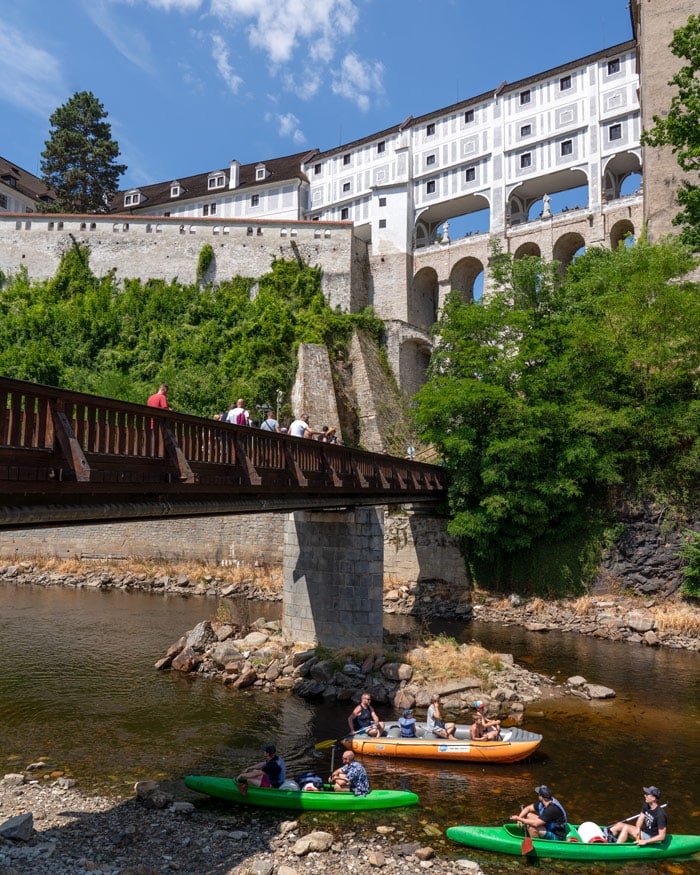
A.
pixel 137 247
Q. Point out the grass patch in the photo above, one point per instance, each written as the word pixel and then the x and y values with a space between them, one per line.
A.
pixel 443 658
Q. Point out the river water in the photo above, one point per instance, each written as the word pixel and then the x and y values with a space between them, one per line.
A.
pixel 80 693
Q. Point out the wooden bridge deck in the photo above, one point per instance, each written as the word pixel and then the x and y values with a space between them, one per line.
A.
pixel 71 457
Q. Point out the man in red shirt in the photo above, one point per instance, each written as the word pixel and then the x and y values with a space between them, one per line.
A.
pixel 160 399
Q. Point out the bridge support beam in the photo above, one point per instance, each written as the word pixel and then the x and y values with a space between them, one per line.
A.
pixel 333 577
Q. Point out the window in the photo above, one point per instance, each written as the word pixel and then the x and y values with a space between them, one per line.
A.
pixel 132 199
pixel 382 223
pixel 565 83
pixel 430 159
pixel 205 210
pixel 344 214
pixel 255 200
pixel 430 187
pixel 526 159
pixel 346 186
pixel 613 66
pixel 525 130
pixel 567 147
pixel 470 174
pixel 3 201
pixel 381 147
pixel 346 159
pixel 174 190
pixel 468 116
pixel 166 213
pixel 317 169
pixel 615 132
pixel 216 181
pixel 524 97
pixel 382 201
pixel 430 129
pixel 259 173
pixel 212 210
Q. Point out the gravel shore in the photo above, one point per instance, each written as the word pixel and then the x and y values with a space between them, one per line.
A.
pixel 73 835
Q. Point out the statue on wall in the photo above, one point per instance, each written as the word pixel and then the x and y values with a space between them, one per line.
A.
pixel 546 212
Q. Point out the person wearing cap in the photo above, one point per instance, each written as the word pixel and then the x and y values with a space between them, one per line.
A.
pixel 483 728
pixel 269 773
pixel 544 819
pixel 649 827
pixel 408 724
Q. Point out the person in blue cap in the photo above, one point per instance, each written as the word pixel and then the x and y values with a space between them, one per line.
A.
pixel 649 827
pixel 408 724
pixel 269 773
pixel 483 728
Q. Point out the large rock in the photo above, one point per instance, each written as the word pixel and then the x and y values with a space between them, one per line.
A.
pixel 314 841
pixel 640 621
pixel 19 828
pixel 201 636
pixel 397 671
pixel 187 661
pixel 225 652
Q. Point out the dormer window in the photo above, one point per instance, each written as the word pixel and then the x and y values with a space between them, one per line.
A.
pixel 132 198
pixel 260 173
pixel 175 189
pixel 216 180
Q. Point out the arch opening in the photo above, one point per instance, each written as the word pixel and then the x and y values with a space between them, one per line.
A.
pixel 467 277
pixel 452 220
pixel 423 300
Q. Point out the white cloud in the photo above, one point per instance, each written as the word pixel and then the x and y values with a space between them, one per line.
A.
pixel 167 5
pixel 130 43
pixel 305 85
pixel 289 127
pixel 220 55
pixel 358 80
pixel 279 27
pixel 29 76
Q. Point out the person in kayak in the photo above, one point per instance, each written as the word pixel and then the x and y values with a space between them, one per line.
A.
pixel 434 720
pixel 350 777
pixel 364 719
pixel 269 773
pixel 483 728
pixel 649 827
pixel 408 724
pixel 544 819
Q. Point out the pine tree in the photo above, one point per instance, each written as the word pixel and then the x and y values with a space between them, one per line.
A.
pixel 79 160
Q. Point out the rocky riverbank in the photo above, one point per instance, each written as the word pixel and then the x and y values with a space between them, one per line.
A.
pixel 52 829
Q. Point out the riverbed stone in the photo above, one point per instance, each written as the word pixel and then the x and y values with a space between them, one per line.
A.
pixel 201 636
pixel 639 621
pixel 19 827
pixel 598 691
pixel 315 841
pixel 13 779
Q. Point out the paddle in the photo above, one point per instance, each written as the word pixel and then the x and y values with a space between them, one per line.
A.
pixel 329 742
pixel 633 817
pixel 526 847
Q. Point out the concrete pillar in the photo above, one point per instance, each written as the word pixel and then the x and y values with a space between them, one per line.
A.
pixel 333 577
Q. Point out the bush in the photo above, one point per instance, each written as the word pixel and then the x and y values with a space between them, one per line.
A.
pixel 690 551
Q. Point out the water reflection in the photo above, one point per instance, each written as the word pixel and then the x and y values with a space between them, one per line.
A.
pixel 79 691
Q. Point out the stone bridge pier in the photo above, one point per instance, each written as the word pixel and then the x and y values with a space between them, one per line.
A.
pixel 333 577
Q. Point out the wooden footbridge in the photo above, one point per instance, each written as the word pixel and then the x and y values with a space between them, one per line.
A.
pixel 68 457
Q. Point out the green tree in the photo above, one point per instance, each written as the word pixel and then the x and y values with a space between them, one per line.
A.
pixel 79 162
pixel 680 129
pixel 551 398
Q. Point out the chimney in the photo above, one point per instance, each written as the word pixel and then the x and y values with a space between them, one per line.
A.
pixel 234 176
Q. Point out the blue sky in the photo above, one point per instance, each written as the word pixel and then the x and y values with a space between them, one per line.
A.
pixel 189 85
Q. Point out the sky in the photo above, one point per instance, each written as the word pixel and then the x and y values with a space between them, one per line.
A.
pixel 189 85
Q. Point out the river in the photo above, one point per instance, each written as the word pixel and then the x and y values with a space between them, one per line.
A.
pixel 79 692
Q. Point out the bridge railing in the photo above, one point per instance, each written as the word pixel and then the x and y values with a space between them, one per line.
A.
pixel 50 436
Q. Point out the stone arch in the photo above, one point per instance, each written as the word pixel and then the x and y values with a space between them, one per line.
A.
pixel 616 171
pixel 566 247
pixel 619 231
pixel 464 275
pixel 524 200
pixel 423 300
pixel 528 248
pixel 414 358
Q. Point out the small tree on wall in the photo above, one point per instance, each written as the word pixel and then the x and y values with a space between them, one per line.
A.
pixel 79 160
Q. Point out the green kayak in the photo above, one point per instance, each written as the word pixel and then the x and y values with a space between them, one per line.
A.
pixel 508 839
pixel 300 800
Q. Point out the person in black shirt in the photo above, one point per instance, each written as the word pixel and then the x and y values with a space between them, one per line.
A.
pixel 364 718
pixel 544 819
pixel 649 827
pixel 269 773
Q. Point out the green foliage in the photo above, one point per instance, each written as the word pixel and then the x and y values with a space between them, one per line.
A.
pixel 205 261
pixel 554 395
pixel 210 345
pixel 78 162
pixel 680 128
pixel 690 551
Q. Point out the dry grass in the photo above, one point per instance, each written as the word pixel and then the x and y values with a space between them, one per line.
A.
pixel 679 619
pixel 264 576
pixel 443 658
pixel 582 606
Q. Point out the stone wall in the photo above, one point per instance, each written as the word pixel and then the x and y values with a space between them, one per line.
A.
pixel 166 248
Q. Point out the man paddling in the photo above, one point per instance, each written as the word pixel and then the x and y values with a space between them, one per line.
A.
pixel 648 828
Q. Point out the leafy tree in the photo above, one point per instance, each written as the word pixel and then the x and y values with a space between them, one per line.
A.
pixel 79 160
pixel 551 398
pixel 680 129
